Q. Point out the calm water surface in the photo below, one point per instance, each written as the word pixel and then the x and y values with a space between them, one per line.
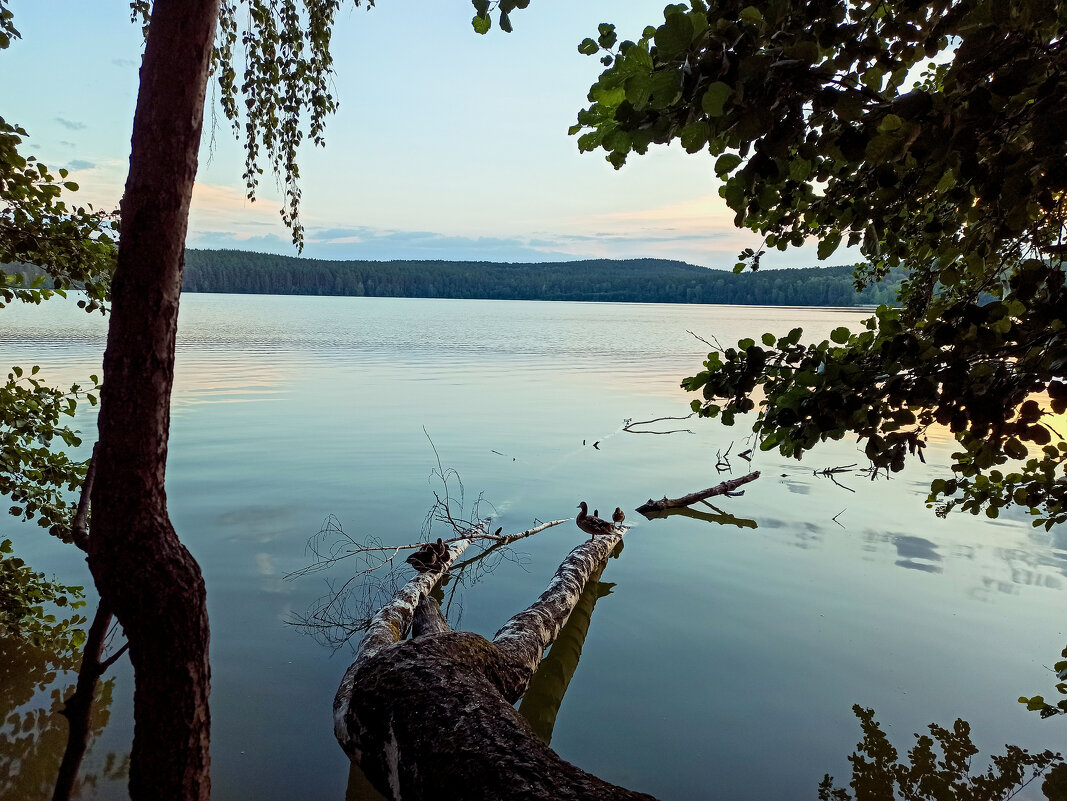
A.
pixel 725 660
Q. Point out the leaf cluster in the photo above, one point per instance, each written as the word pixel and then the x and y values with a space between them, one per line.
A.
pixel 33 476
pixel 273 74
pixel 483 9
pixel 24 596
pixel 932 137
pixel 1038 704
pixel 74 244
pixel 878 773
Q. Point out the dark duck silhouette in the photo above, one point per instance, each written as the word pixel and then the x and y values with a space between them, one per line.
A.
pixel 618 516
pixel 430 556
pixel 590 523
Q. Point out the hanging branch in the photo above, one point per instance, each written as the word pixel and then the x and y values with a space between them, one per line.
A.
pixel 79 527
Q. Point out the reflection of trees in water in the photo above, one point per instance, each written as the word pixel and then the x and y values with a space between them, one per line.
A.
pixel 33 734
pixel 939 768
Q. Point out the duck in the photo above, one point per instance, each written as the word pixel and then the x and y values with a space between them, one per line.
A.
pixel 590 523
pixel 431 556
pixel 618 516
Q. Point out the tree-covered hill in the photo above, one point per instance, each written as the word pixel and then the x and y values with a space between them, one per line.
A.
pixel 628 281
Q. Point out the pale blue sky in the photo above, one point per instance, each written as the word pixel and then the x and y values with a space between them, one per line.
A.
pixel 447 145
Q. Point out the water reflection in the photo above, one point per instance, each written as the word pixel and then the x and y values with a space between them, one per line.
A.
pixel 940 767
pixel 716 515
pixel 914 553
pixel 541 703
pixel 33 733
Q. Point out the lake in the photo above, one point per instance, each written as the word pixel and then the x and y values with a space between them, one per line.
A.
pixel 724 661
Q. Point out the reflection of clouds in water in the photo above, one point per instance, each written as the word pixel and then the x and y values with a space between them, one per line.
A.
pixel 265 564
pixel 235 377
pixel 911 564
pixel 913 553
pixel 805 534
pixel 271 581
pixel 797 487
pixel 257 523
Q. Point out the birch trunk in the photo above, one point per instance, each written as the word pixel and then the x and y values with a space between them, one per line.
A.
pixel 433 717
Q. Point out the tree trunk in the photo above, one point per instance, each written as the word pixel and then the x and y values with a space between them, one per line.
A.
pixel 142 571
pixel 433 717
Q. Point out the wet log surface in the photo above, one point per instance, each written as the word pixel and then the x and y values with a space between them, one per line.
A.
pixel 434 717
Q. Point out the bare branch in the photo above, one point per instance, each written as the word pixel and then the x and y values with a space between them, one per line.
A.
pixel 79 527
pixel 725 488
pixel 629 426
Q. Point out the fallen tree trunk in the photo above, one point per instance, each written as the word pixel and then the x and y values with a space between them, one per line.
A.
pixel 434 717
pixel 651 507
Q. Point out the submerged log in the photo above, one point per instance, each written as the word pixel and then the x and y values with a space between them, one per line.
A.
pixel 651 507
pixel 434 717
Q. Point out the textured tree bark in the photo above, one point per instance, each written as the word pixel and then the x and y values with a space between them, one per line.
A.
pixel 433 717
pixel 651 507
pixel 143 573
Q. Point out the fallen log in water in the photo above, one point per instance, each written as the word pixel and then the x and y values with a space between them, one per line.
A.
pixel 434 717
pixel 726 487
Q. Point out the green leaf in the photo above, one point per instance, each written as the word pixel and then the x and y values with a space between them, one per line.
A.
pixel 588 47
pixel 751 15
pixel 482 24
pixel 829 244
pixel 840 335
pixel 715 98
pixel 725 163
pixel 694 136
pixel 674 36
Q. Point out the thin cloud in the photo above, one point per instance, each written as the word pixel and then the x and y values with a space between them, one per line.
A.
pixel 71 125
pixel 81 164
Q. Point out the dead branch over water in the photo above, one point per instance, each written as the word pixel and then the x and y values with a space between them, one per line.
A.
pixel 725 488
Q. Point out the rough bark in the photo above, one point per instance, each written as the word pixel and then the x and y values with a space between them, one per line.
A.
pixel 142 571
pixel 434 717
pixel 428 618
pixel 651 507
pixel 523 639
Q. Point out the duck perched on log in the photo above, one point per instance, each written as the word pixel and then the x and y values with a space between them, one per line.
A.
pixel 591 524
pixel 618 516
pixel 429 556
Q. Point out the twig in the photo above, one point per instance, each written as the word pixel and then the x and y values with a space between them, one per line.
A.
pixel 717 346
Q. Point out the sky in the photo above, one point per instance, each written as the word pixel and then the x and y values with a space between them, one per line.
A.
pixel 446 145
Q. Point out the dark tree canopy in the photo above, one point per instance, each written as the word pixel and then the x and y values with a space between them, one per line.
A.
pixel 932 137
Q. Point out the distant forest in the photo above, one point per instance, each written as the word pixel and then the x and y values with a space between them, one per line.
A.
pixel 620 281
